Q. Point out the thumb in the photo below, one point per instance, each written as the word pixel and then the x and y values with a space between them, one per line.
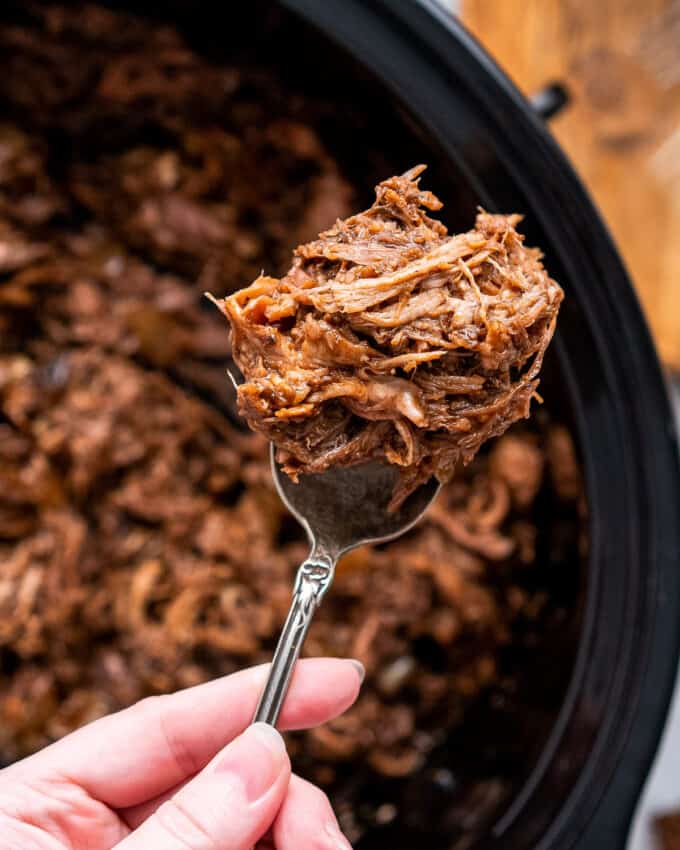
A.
pixel 229 805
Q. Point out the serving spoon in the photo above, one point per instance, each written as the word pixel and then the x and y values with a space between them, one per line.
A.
pixel 339 509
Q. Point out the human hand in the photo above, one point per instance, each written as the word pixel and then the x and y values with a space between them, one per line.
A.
pixel 179 772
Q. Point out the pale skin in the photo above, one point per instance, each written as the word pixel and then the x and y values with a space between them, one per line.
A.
pixel 182 772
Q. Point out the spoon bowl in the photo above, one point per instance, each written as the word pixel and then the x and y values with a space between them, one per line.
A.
pixel 345 507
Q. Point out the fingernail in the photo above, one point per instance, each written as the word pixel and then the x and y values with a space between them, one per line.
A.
pixel 257 758
pixel 359 667
pixel 338 839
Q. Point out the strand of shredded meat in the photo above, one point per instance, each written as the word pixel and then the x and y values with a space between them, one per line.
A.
pixel 390 339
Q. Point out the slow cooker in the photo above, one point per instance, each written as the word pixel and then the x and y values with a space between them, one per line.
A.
pixel 487 147
pixel 407 84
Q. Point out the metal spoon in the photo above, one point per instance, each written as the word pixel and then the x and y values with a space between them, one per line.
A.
pixel 339 509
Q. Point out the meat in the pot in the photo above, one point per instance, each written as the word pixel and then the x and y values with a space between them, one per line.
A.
pixel 142 545
pixel 668 830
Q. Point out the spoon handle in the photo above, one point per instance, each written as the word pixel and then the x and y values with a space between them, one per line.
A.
pixel 313 580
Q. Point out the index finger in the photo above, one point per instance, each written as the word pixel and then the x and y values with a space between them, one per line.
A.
pixel 142 751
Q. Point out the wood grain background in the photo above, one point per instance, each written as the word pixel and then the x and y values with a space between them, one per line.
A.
pixel 620 60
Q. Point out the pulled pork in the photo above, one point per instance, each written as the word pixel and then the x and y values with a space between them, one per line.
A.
pixel 142 544
pixel 667 827
pixel 390 339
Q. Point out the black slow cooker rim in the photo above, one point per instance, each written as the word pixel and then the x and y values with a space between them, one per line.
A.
pixel 598 811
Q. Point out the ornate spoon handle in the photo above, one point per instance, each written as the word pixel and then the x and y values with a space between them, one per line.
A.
pixel 314 577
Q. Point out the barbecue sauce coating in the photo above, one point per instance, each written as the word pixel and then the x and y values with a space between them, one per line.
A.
pixel 390 339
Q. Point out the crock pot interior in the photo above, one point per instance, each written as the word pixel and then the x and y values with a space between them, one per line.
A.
pixel 532 773
pixel 582 788
pixel 470 781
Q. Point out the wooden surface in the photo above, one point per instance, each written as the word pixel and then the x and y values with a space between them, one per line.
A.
pixel 620 60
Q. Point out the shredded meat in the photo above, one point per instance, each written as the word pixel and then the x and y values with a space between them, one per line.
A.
pixel 667 827
pixel 390 339
pixel 142 544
